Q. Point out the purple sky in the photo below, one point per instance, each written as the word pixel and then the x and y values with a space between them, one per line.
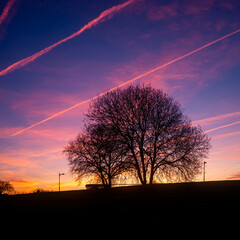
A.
pixel 125 44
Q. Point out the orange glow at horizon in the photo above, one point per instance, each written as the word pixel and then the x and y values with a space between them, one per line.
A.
pixel 52 185
pixel 31 186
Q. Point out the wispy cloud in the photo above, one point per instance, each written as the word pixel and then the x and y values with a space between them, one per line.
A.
pixel 127 82
pixel 220 136
pixel 234 176
pixel 176 8
pixel 105 15
pixel 162 12
pixel 196 7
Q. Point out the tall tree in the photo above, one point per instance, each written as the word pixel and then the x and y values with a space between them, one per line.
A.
pixel 98 154
pixel 160 141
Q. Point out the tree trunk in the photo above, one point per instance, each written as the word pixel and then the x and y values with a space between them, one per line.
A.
pixel 151 175
pixel 109 181
pixel 144 172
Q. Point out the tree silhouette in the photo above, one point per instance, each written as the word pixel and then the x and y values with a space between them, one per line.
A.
pixel 160 142
pixel 5 187
pixel 96 152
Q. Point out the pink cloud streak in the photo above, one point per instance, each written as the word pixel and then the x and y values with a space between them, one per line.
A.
pixel 127 82
pixel 226 135
pixel 6 10
pixel 210 120
pixel 105 15
pixel 224 126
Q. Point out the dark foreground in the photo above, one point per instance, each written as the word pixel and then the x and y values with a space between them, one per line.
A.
pixel 123 206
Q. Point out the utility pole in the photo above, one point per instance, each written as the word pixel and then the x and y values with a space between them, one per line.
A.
pixel 204 170
pixel 59 175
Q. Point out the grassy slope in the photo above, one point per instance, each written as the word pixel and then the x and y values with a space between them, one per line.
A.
pixel 183 202
pixel 187 195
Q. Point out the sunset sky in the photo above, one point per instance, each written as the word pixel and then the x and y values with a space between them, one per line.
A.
pixel 56 54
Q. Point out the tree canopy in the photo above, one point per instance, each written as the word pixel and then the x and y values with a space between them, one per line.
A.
pixel 146 132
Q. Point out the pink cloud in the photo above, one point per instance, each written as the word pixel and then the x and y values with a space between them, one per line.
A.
pixel 42 103
pixel 5 132
pixel 227 157
pixel 229 5
pixel 196 7
pixel 163 12
pixel 234 176
pixel 10 160
pixel 188 7
pixel 220 136
pixel 221 24
pixel 222 147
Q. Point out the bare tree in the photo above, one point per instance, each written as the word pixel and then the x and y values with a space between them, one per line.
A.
pixel 97 153
pixel 5 187
pixel 160 141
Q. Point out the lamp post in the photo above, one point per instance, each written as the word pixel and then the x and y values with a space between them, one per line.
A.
pixel 59 175
pixel 204 170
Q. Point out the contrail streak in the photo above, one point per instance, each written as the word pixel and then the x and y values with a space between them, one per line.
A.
pixel 107 14
pixel 210 130
pixel 127 82
pixel 6 10
pixel 207 121
pixel 227 125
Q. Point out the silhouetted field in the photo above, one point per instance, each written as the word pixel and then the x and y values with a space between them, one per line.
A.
pixel 127 205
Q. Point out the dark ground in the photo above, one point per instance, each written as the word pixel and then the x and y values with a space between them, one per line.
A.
pixel 157 205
